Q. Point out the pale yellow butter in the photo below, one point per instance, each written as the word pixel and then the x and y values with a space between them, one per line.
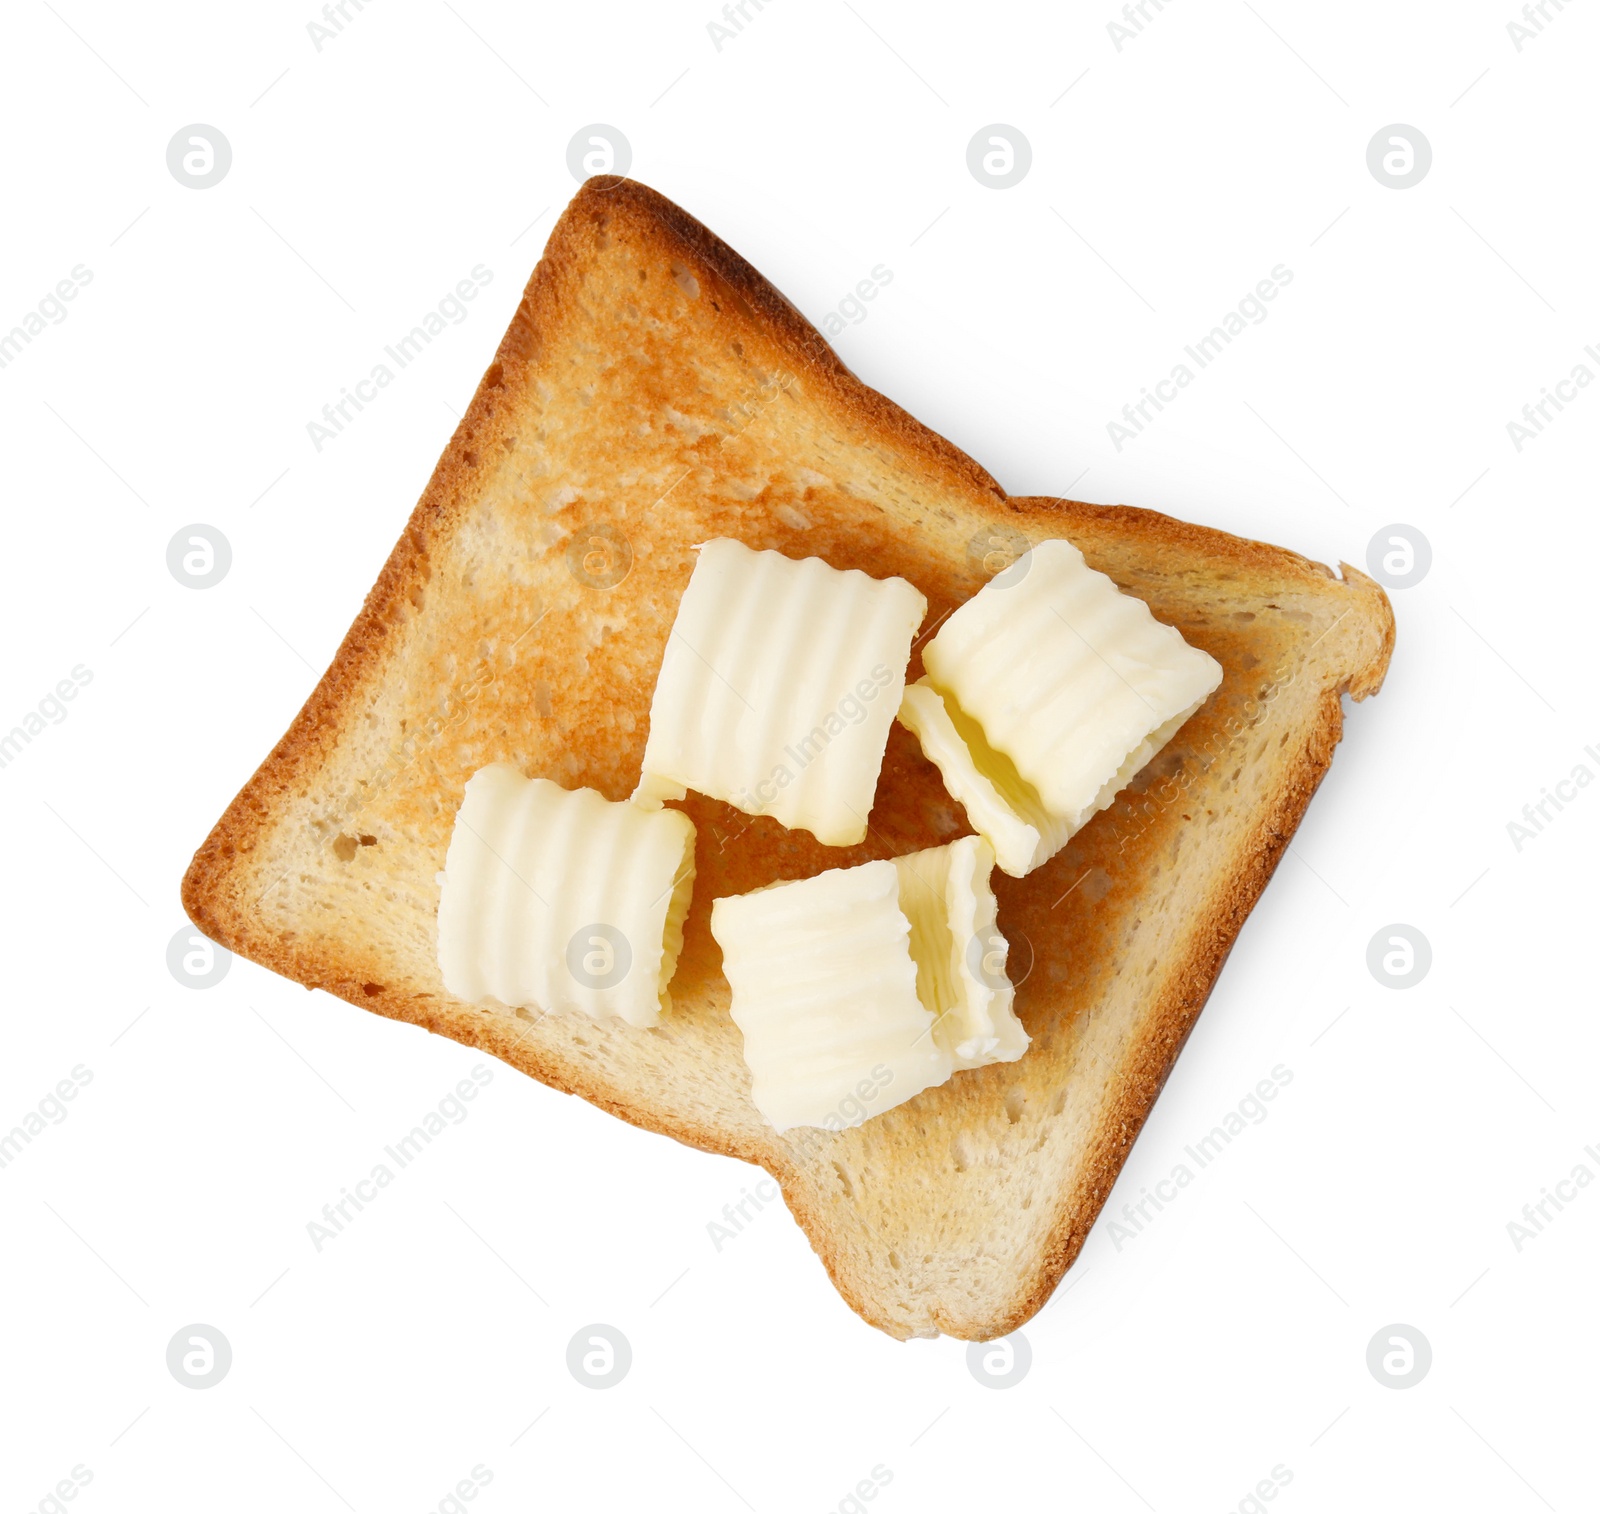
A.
pixel 860 987
pixel 1044 695
pixel 563 900
pixel 777 689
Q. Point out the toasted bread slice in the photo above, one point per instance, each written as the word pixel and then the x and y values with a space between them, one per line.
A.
pixel 653 392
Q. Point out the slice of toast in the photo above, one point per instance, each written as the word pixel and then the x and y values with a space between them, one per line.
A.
pixel 653 392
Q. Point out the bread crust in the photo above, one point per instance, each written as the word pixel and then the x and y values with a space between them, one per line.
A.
pixel 1184 569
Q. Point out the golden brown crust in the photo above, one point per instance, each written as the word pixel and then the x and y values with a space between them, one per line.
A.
pixel 869 486
pixel 1174 1013
pixel 1174 1016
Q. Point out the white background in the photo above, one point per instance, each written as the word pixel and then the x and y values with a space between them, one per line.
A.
pixel 826 138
